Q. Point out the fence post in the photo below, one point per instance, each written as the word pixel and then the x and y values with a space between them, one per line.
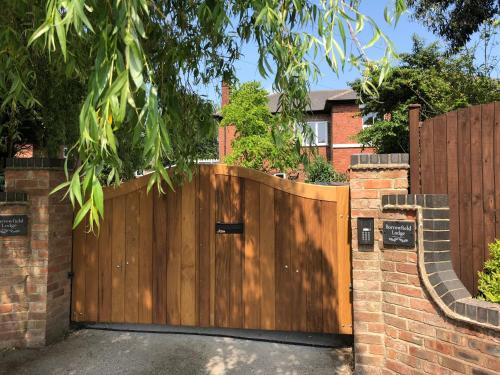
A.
pixel 414 120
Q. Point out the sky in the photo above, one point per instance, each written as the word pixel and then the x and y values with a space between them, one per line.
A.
pixel 401 36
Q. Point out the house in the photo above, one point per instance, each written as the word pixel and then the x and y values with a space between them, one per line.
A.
pixel 334 117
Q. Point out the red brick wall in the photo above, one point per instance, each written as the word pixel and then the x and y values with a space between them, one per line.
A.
pixel 35 309
pixel 346 122
pixel 17 291
pixel 226 137
pixel 398 327
pixel 60 251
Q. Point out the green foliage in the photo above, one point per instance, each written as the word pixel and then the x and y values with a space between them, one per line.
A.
pixel 40 97
pixel 248 110
pixel 387 136
pixel 254 145
pixel 489 279
pixel 142 58
pixel 455 20
pixel 320 170
pixel 439 82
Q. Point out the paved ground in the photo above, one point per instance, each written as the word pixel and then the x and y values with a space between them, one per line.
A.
pixel 107 352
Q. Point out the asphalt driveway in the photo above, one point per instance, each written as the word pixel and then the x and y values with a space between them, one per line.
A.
pixel 109 352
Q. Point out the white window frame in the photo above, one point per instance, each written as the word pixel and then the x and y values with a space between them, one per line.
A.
pixel 314 126
pixel 371 117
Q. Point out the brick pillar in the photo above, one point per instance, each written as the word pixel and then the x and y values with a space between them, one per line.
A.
pixel 370 179
pixel 43 256
pixel 412 315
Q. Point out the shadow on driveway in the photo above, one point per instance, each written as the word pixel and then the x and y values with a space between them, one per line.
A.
pixel 112 352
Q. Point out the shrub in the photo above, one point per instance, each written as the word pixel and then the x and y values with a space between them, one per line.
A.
pixel 319 170
pixel 489 279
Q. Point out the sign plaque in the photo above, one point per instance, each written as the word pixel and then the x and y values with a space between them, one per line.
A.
pixel 399 233
pixel 13 225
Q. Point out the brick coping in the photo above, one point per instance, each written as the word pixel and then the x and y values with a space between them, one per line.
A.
pixel 13 197
pixel 34 163
pixel 380 161
pixel 434 260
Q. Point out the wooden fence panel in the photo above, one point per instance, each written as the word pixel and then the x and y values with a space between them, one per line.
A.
pixel 459 154
pixel 158 258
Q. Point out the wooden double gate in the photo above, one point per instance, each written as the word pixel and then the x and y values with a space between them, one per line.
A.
pixel 232 248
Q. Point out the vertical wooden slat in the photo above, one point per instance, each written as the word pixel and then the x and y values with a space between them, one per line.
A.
pixel 236 255
pixel 282 245
pixel 146 229
pixel 212 219
pixel 188 256
pixel 118 257
pixel 344 261
pixel 330 266
pixel 497 168
pixel 314 298
pixel 251 263
pixel 477 190
pixel 414 120
pixel 174 245
pixel 267 256
pixel 132 257
pixel 159 267
pixel 465 199
pixel 427 156
pixel 78 285
pixel 204 246
pixel 197 246
pixel 440 155
pixel 105 266
pixel 91 277
pixel 452 188
pixel 488 136
pixel 299 253
pixel 222 255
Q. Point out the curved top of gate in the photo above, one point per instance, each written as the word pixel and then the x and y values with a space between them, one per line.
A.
pixel 301 189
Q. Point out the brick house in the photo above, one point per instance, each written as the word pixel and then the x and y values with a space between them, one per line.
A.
pixel 334 117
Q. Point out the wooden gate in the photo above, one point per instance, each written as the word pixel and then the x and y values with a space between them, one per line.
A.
pixel 458 153
pixel 283 263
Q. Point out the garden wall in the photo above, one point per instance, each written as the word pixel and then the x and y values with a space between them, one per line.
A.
pixel 34 267
pixel 411 313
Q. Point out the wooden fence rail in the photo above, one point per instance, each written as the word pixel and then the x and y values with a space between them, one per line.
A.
pixel 166 259
pixel 458 153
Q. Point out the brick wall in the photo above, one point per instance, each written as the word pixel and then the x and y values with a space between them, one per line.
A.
pixel 15 265
pixel 411 313
pixel 346 122
pixel 34 299
pixel 226 136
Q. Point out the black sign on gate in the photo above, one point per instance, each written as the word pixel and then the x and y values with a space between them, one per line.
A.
pixel 399 233
pixel 13 225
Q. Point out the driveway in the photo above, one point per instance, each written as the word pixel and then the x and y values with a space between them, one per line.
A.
pixel 109 352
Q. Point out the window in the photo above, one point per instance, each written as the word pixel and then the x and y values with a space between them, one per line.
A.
pixel 369 119
pixel 320 131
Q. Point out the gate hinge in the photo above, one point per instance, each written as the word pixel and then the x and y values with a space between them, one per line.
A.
pixel 71 274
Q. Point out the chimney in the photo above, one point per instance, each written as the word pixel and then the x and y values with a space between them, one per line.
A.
pixel 226 92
